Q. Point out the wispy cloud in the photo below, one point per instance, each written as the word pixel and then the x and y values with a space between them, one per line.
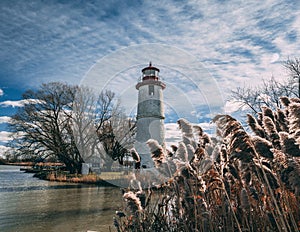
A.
pixel 4 119
pixel 10 103
pixel 236 42
pixel 233 106
pixel 188 83
pixel 19 103
pixel 172 134
pixel 5 136
pixel 72 36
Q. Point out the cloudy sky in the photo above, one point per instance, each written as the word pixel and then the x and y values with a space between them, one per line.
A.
pixel 203 48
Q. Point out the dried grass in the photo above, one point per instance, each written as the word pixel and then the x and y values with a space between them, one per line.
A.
pixel 234 182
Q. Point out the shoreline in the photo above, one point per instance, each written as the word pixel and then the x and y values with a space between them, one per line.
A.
pixel 45 171
pixel 52 172
pixel 90 179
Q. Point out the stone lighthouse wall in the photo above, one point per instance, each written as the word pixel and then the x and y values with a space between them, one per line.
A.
pixel 150 102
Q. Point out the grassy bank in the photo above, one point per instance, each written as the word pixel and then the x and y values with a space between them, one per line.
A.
pixel 104 179
pixel 55 172
pixel 31 164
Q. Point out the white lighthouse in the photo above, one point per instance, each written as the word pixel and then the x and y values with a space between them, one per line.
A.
pixel 150 113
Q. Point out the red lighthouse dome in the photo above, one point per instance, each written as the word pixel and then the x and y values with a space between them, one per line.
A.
pixel 150 73
pixel 150 77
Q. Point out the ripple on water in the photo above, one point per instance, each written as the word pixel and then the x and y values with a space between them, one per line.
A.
pixel 30 204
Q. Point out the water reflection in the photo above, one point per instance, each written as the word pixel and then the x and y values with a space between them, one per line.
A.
pixel 29 204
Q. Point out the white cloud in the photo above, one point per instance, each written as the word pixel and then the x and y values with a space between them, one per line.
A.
pixel 207 127
pixel 4 119
pixel 8 103
pixel 239 42
pixel 19 103
pixel 5 136
pixel 1 92
pixel 172 134
pixel 233 106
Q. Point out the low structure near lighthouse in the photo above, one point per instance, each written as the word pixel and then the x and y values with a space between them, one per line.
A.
pixel 150 113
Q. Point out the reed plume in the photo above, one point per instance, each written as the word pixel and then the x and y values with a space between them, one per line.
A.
pixel 267 112
pixel 259 118
pixel 290 175
pixel 135 155
pixel 271 131
pixel 235 181
pixel 262 146
pixel 182 153
pixel 294 119
pixel 189 141
pixel 133 202
pixel 204 140
pixel 285 101
pixel 255 127
pixel 186 127
pixel 174 148
pixel 288 145
pixel 157 152
pixel 190 151
pixel 281 120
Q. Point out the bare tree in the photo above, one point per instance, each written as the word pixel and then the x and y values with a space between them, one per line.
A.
pixel 294 68
pixel 83 124
pixel 71 124
pixel 270 91
pixel 45 127
pixel 115 130
pixel 100 126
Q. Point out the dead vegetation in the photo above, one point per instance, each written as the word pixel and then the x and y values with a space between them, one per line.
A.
pixel 236 181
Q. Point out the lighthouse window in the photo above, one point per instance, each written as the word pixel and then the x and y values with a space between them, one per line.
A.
pixel 151 89
pixel 150 72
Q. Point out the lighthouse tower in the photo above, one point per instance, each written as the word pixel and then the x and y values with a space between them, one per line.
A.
pixel 150 113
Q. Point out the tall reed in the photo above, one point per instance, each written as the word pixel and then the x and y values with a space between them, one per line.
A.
pixel 236 181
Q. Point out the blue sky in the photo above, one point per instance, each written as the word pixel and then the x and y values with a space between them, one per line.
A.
pixel 235 43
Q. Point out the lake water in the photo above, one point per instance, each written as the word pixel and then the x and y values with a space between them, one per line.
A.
pixel 30 204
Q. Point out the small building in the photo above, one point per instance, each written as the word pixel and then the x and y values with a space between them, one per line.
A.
pixel 92 165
